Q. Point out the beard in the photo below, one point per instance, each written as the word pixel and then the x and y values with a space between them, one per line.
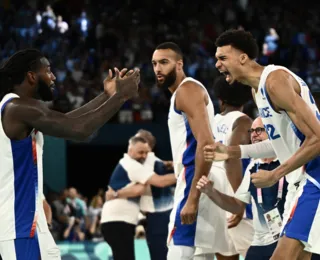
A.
pixel 45 92
pixel 168 81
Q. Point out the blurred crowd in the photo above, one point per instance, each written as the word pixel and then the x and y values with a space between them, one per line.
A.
pixel 77 218
pixel 105 35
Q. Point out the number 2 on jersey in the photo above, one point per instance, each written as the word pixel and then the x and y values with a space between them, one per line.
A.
pixel 271 131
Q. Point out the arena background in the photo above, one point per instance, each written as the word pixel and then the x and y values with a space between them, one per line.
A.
pixel 93 36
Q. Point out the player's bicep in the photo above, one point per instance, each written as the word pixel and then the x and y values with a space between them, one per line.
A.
pixel 190 100
pixel 282 93
pixel 35 114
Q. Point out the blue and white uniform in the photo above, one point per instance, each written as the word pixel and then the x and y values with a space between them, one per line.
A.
pixel 240 236
pixel 302 210
pixel 22 216
pixel 209 230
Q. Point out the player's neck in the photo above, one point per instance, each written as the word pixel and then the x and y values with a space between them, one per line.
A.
pixel 176 84
pixel 252 78
pixel 22 91
pixel 229 109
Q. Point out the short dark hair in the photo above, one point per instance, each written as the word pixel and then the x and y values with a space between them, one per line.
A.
pixel 137 139
pixel 148 136
pixel 172 46
pixel 235 95
pixel 14 70
pixel 241 40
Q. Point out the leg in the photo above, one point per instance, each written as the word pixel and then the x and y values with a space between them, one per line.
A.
pixel 157 234
pixel 287 249
pixel 20 249
pixel 222 257
pixel 120 237
pixel 180 252
pixel 304 255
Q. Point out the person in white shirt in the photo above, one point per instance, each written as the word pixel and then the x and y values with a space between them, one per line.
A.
pixel 155 202
pixel 267 203
pixel 120 215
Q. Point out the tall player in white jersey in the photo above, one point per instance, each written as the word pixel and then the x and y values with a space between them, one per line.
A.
pixel 25 82
pixel 231 128
pixel 290 117
pixel 194 223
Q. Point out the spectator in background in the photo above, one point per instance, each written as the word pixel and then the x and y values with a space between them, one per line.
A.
pixel 270 44
pixel 94 216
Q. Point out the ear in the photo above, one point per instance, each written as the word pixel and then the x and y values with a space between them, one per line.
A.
pixel 243 58
pixel 32 77
pixel 180 64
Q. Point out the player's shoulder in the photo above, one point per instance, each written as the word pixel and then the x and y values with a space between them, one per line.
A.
pixel 277 76
pixel 242 121
pixel 190 87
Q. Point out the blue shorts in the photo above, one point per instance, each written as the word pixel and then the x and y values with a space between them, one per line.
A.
pixel 20 249
pixel 303 223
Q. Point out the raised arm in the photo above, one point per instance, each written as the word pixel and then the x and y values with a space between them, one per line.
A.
pixel 30 113
pixel 284 92
pixel 192 100
pixel 100 99
pixel 239 136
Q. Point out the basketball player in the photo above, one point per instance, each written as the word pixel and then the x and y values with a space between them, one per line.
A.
pixel 231 128
pixel 263 200
pixel 290 116
pixel 155 202
pixel 25 81
pixel 194 221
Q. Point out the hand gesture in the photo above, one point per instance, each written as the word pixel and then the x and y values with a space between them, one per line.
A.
pixel 216 152
pixel 234 220
pixel 189 213
pixel 124 84
pixel 204 185
pixel 263 179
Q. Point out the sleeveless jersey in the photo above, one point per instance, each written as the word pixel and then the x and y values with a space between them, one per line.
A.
pixel 21 182
pixel 285 137
pixel 223 125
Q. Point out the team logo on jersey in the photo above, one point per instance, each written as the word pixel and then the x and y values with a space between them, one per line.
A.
pixel 222 129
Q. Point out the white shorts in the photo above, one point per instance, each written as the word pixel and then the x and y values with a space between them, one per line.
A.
pixel 242 236
pixel 42 244
pixel 210 229
pixel 186 253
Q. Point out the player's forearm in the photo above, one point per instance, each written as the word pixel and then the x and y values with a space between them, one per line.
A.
pixel 47 212
pixel 226 202
pixel 93 104
pixel 234 172
pixel 202 167
pixel 262 149
pixel 309 150
pixel 80 128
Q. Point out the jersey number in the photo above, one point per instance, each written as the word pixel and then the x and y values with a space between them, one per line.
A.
pixel 271 132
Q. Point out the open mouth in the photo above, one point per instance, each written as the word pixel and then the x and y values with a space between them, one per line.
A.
pixel 226 74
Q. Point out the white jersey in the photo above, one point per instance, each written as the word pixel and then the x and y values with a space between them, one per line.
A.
pixel 183 143
pixel 21 182
pixel 209 230
pixel 284 135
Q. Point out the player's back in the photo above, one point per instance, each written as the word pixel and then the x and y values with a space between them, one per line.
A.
pixel 183 143
pixel 283 133
pixel 21 182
